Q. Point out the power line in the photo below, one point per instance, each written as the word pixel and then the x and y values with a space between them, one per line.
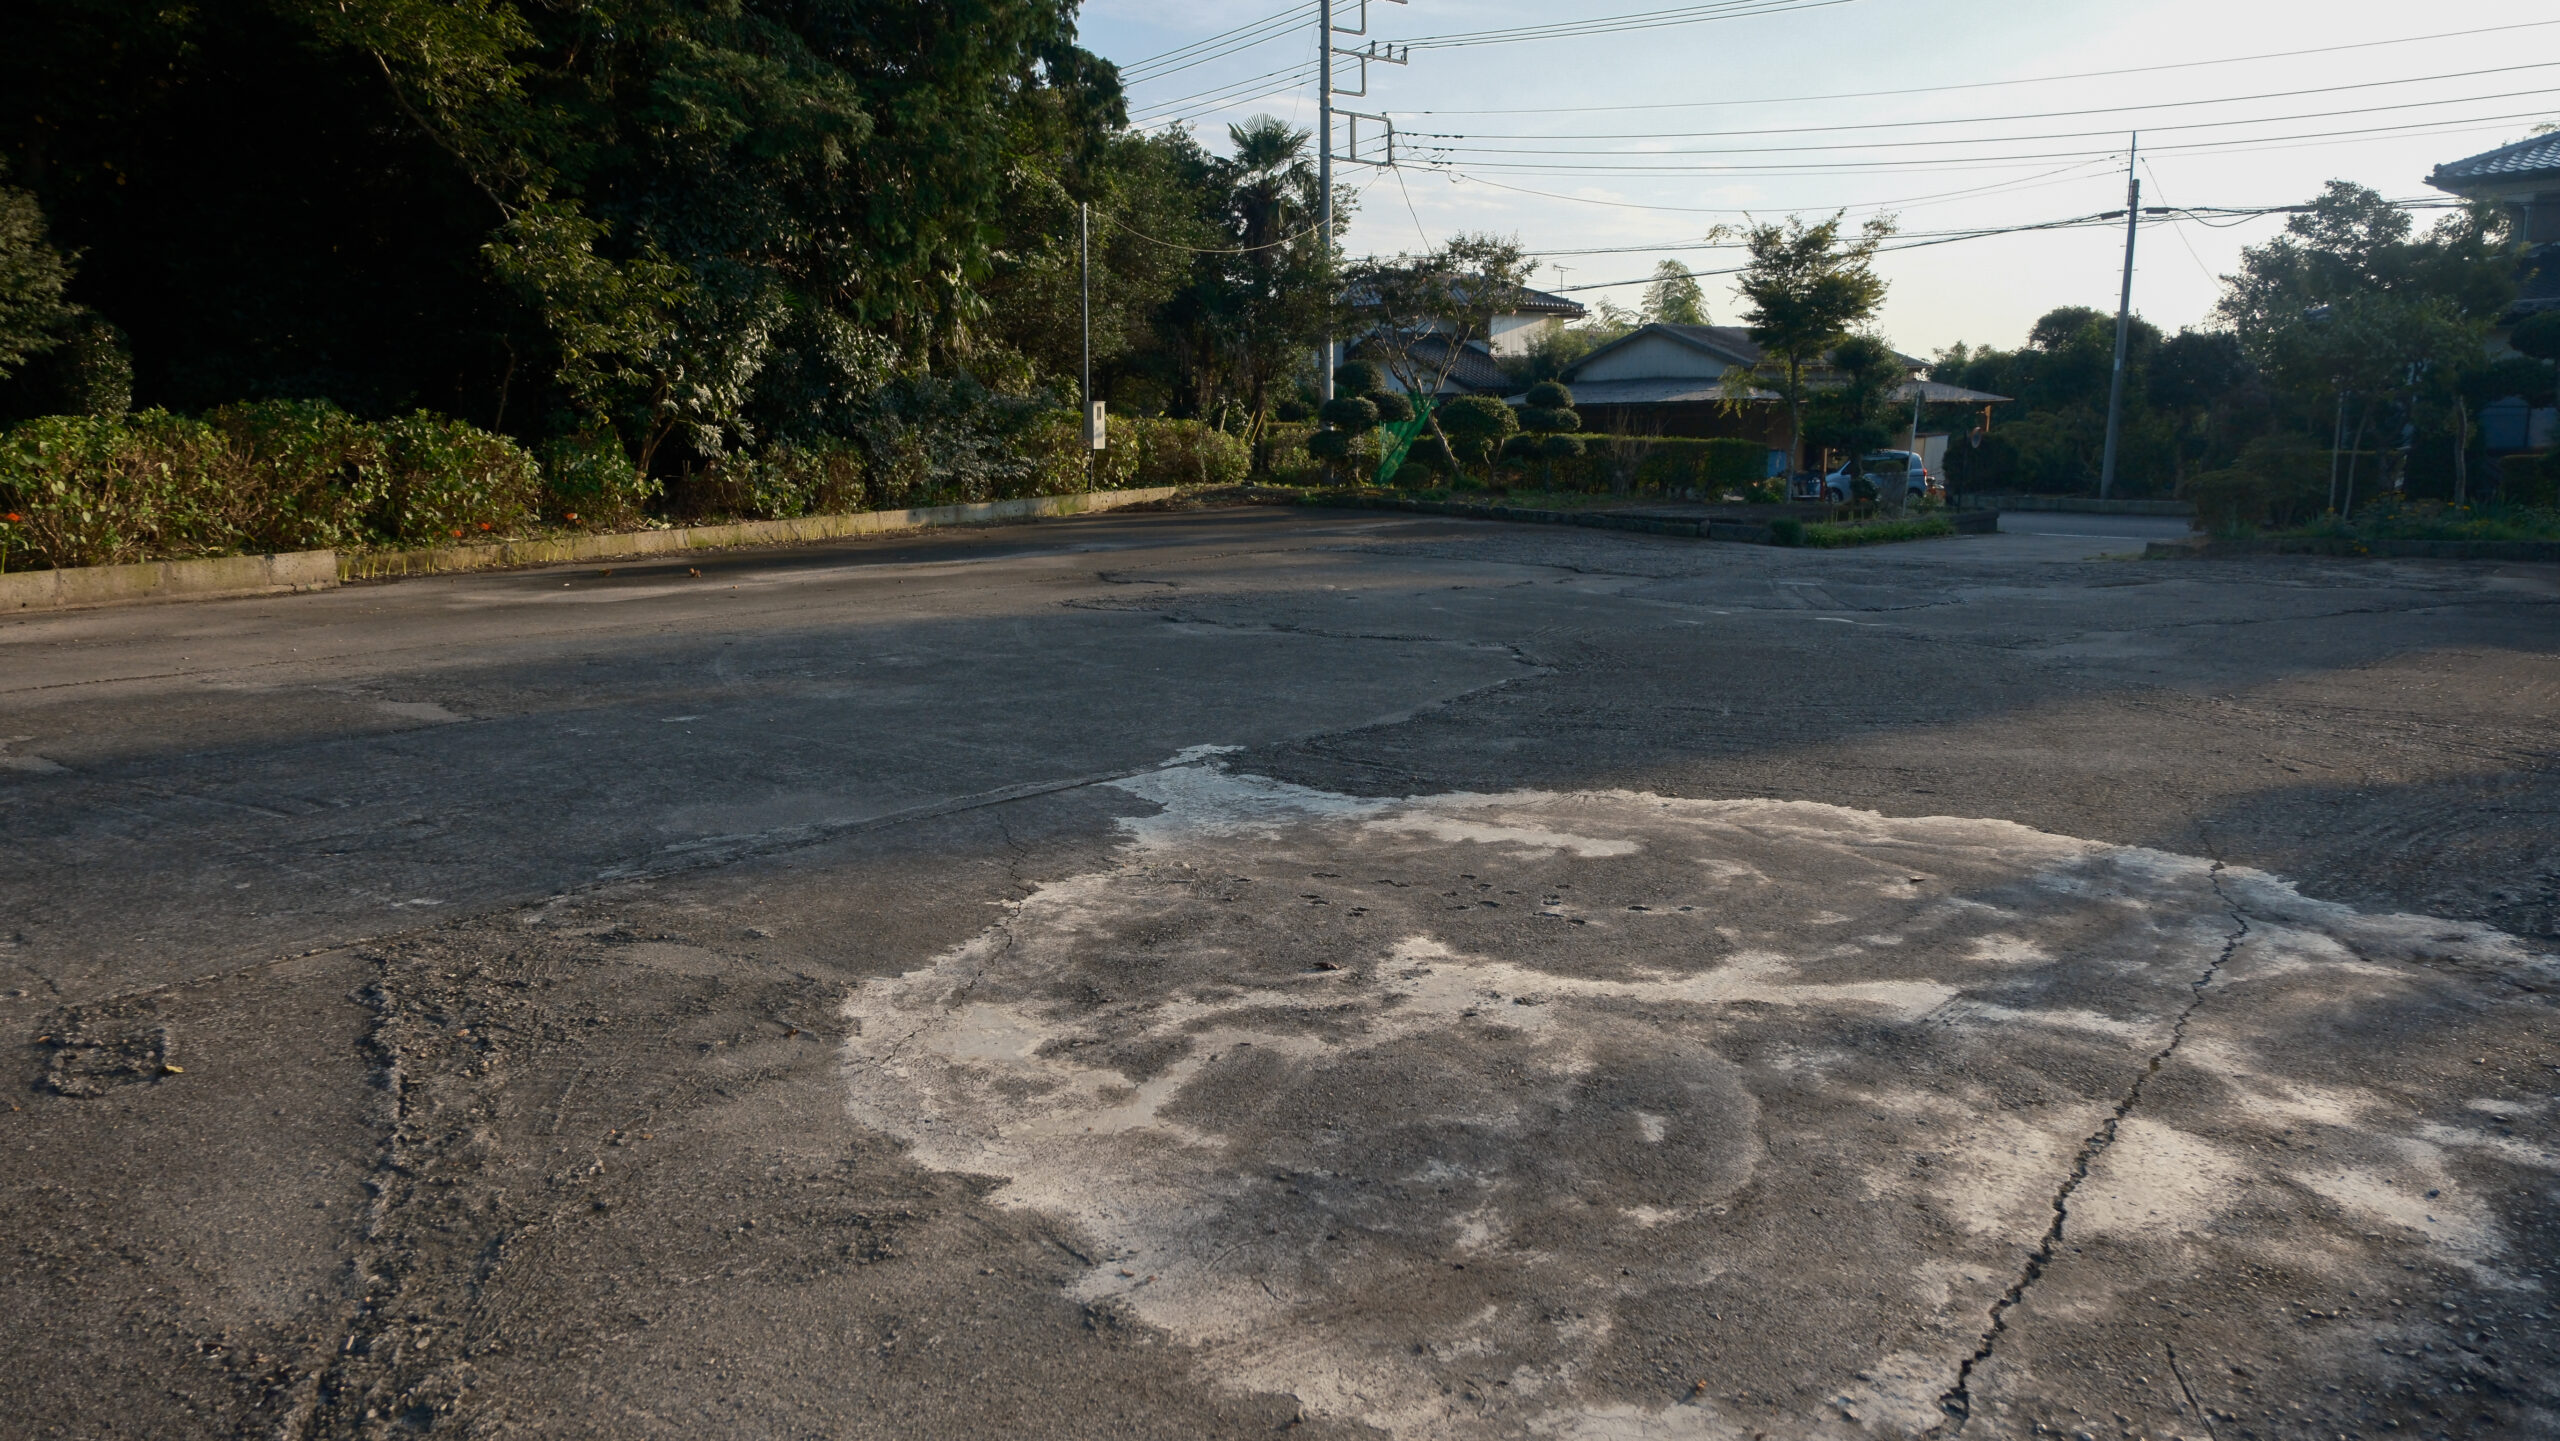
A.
pixel 1236 47
pixel 2000 139
pixel 2235 144
pixel 2027 115
pixel 2070 171
pixel 1928 240
pixel 1998 84
pixel 1209 100
pixel 1292 14
pixel 1616 24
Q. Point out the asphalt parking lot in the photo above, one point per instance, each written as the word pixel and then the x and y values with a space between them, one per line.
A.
pixel 1232 972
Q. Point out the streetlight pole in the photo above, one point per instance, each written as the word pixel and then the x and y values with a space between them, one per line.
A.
pixel 2124 319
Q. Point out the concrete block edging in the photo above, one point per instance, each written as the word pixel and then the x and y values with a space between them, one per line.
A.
pixel 211 578
pixel 623 545
pixel 226 577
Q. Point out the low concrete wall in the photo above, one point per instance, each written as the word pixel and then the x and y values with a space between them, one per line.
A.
pixel 220 576
pixel 2078 504
pixel 248 575
pixel 2506 550
pixel 621 545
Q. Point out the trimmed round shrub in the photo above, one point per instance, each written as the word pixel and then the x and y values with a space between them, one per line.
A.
pixel 1359 377
pixel 1351 412
pixel 1547 421
pixel 1550 395
pixel 1330 445
pixel 1394 406
pixel 1431 456
pixel 1559 447
pixel 1477 425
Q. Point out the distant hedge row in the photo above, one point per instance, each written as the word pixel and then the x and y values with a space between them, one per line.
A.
pixel 304 475
pixel 1632 464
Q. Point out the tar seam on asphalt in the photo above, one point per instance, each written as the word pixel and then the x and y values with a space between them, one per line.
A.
pixel 1957 1400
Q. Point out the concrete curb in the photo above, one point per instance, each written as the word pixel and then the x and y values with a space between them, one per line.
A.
pixel 215 578
pixel 1974 522
pixel 2509 550
pixel 620 545
pixel 233 576
pixel 2079 505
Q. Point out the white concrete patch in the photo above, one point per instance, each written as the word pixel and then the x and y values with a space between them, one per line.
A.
pixel 2156 1181
pixel 1374 1100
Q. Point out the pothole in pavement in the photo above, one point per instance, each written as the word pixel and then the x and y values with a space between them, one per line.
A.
pixel 1608 1114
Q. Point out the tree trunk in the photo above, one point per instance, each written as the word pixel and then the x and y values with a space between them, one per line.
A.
pixel 2355 453
pixel 1254 428
pixel 2461 451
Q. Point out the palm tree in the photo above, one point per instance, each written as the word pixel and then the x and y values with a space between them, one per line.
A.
pixel 1279 278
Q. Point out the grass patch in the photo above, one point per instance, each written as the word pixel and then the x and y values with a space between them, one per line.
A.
pixel 2429 521
pixel 1870 532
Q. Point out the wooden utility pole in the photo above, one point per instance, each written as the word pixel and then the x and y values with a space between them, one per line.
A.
pixel 2124 320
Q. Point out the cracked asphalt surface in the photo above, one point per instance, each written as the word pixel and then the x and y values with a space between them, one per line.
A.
pixel 1227 972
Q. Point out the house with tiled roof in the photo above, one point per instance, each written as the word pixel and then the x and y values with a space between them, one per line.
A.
pixel 1476 368
pixel 2525 178
pixel 1666 379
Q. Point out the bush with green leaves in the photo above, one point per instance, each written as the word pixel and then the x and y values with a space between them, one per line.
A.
pixel 1477 427
pixel 1354 413
pixel 2531 480
pixel 263 476
pixel 2278 481
pixel 1188 452
pixel 110 490
pixel 589 480
pixel 1728 463
pixel 445 480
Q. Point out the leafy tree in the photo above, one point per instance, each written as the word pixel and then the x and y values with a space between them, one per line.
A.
pixel 1417 314
pixel 1556 346
pixel 1674 297
pixel 32 276
pixel 707 224
pixel 1473 428
pixel 1549 420
pixel 1853 416
pixel 1279 287
pixel 1155 209
pixel 2192 376
pixel 1805 288
pixel 2537 337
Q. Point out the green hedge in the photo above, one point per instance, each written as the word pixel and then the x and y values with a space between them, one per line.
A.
pixel 1636 463
pixel 276 475
pixel 2276 482
pixel 304 475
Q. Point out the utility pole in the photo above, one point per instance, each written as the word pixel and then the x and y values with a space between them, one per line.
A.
pixel 1324 160
pixel 1325 31
pixel 2124 318
pixel 1084 266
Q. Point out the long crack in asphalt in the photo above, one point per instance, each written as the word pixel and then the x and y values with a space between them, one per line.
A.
pixel 1957 1400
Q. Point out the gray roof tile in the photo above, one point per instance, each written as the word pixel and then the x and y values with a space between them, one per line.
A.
pixel 2537 155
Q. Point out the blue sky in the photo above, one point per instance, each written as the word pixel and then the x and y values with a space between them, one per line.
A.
pixel 1527 116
